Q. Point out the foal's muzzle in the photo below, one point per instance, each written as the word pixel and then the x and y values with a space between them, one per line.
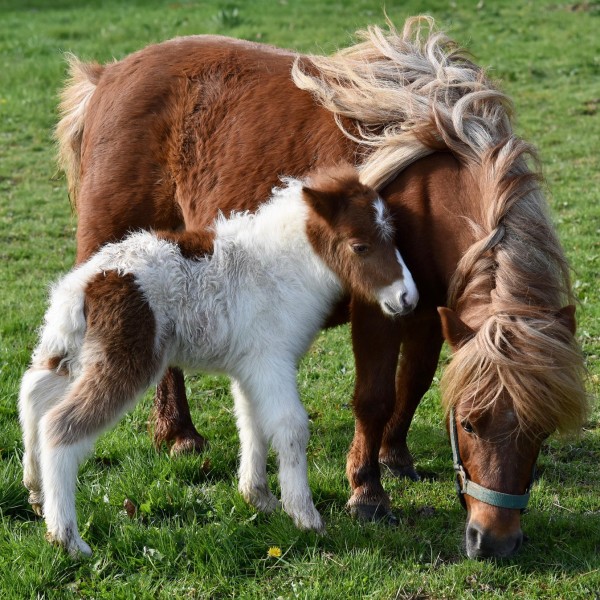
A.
pixel 399 298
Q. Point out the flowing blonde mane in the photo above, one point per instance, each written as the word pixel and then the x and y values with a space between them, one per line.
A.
pixel 409 94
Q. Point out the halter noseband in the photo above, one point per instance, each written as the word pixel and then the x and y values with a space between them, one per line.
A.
pixel 465 486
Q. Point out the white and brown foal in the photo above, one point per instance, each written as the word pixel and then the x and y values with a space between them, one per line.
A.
pixel 245 299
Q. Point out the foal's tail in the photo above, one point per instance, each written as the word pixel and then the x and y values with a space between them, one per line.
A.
pixel 82 82
pixel 62 335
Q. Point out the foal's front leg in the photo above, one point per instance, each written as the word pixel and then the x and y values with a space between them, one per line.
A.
pixel 253 484
pixel 271 389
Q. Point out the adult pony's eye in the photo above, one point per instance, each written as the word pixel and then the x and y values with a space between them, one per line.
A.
pixel 466 425
pixel 360 248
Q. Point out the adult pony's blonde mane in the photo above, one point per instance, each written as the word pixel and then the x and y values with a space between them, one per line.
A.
pixel 409 94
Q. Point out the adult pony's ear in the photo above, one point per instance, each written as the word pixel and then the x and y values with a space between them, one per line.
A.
pixel 455 331
pixel 566 316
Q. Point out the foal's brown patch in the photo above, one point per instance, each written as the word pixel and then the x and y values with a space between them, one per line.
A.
pixel 118 358
pixel 192 244
pixel 55 363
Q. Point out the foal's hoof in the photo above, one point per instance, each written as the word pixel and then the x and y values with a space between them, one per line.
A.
pixel 376 513
pixel 402 472
pixel 71 542
pixel 191 443
pixel 261 498
pixel 309 521
pixel 35 499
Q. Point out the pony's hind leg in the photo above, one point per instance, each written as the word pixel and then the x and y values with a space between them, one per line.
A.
pixel 253 484
pixel 41 388
pixel 172 419
pixel 67 433
pixel 119 361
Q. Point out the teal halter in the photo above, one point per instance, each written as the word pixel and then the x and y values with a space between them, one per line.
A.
pixel 465 486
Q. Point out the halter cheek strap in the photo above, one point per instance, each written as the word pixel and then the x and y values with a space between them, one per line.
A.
pixel 465 486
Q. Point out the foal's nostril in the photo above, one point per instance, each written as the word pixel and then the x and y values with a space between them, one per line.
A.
pixel 404 298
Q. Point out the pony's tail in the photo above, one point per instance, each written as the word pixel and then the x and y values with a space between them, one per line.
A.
pixel 62 334
pixel 82 82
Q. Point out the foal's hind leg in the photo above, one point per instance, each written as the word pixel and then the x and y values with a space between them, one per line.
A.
pixel 68 431
pixel 41 388
pixel 253 484
pixel 119 361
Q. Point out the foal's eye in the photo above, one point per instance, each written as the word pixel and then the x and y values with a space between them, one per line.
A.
pixel 466 425
pixel 360 248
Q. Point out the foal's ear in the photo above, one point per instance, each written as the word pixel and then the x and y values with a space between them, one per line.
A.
pixel 455 331
pixel 566 316
pixel 323 203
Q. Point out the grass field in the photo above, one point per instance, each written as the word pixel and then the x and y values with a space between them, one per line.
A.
pixel 192 535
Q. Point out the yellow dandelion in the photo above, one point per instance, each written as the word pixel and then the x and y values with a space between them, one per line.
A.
pixel 274 552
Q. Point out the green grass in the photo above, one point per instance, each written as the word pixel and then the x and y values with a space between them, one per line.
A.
pixel 193 536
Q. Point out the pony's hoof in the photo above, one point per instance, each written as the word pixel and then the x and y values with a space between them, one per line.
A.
pixel 310 521
pixel 191 443
pixel 261 498
pixel 35 499
pixel 402 472
pixel 374 513
pixel 71 542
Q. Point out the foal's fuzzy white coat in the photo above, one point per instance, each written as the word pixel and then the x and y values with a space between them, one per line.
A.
pixel 250 310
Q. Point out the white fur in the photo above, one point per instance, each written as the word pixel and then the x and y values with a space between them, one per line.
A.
pixel 400 296
pixel 250 310
pixel 383 219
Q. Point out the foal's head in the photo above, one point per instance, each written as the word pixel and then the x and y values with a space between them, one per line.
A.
pixel 351 228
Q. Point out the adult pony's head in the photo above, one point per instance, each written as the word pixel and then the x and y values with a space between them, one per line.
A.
pixel 351 228
pixel 516 372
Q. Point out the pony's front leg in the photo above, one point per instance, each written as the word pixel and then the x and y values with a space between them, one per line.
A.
pixel 253 484
pixel 41 388
pixel 284 422
pixel 376 344
pixel 421 345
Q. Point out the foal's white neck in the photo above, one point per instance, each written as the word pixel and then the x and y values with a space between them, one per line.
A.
pixel 275 236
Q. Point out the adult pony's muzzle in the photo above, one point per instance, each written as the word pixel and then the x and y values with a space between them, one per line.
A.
pixel 482 543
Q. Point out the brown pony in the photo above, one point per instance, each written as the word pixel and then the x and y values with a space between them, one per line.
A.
pixel 170 135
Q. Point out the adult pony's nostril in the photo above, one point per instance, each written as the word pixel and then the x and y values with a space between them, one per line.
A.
pixel 483 544
pixel 404 299
pixel 474 541
pixel 518 544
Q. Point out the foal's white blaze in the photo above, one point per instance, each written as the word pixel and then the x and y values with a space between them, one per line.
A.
pixel 401 296
pixel 383 219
